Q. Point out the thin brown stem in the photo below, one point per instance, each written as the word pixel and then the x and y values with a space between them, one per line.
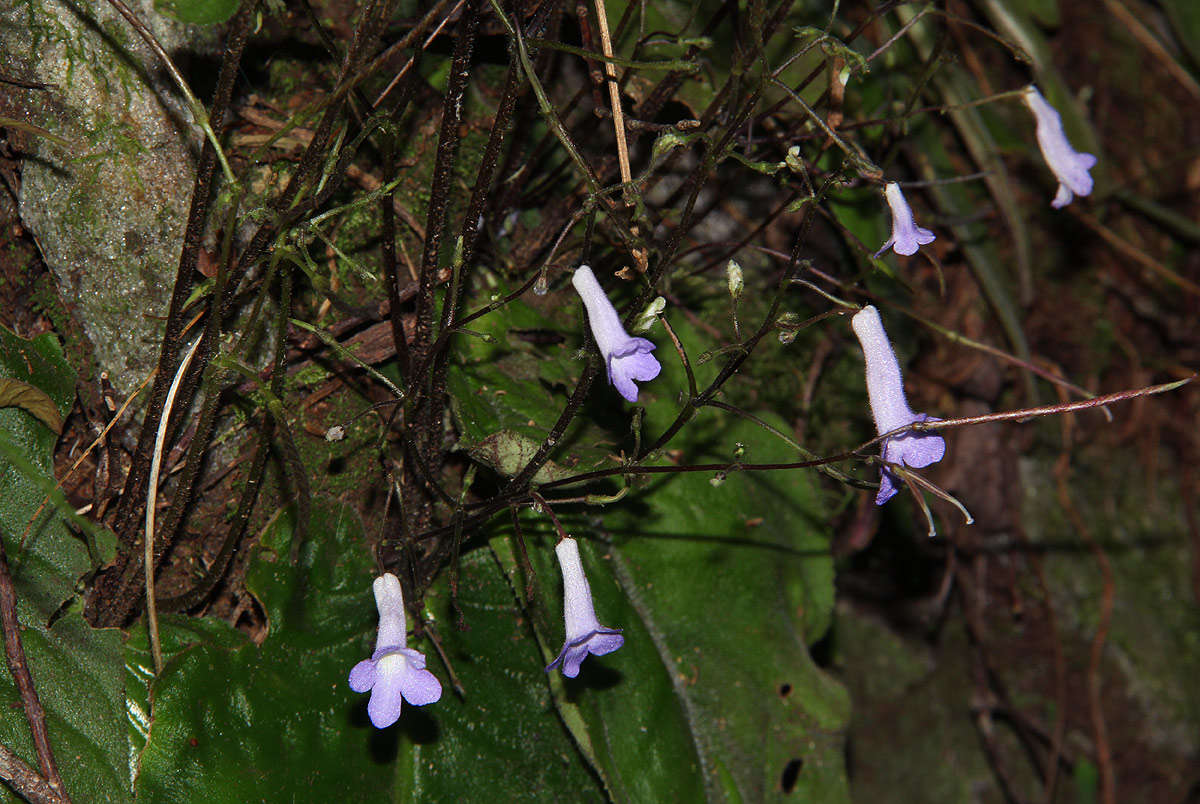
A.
pixel 25 780
pixel 1048 410
pixel 614 96
pixel 19 667
pixel 1104 756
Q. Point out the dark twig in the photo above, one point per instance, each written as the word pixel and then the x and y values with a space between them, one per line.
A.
pixel 134 491
pixel 391 268
pixel 25 780
pixel 439 191
pixel 118 591
pixel 237 527
pixel 523 554
pixel 479 195
pixel 515 492
pixel 19 667
pixel 428 404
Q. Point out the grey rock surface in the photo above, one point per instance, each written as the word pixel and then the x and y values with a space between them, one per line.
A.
pixel 109 211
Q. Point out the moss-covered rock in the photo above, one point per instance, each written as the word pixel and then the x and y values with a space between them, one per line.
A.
pixel 109 210
pixel 1154 636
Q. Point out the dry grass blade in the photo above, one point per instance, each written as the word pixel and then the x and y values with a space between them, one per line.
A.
pixel 152 498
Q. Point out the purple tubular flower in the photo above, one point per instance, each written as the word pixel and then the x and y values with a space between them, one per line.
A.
pixel 906 237
pixel 1068 165
pixel 394 673
pixel 585 634
pixel 889 407
pixel 626 358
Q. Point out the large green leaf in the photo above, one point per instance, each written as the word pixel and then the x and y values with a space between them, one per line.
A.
pixel 76 669
pixel 720 589
pixel 737 581
pixel 232 721
pixel 501 739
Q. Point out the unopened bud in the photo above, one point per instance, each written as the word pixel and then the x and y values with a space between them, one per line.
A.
pixel 733 274
pixel 647 317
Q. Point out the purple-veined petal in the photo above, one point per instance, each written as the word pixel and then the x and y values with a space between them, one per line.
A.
pixel 570 660
pixel 887 486
pixel 597 643
pixel 1063 197
pixel 916 450
pixel 886 245
pixel 603 642
pixel 623 370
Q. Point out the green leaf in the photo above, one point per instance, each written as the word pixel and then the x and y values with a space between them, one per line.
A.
pixel 233 721
pixel 508 452
pixel 736 580
pixel 507 392
pixel 76 669
pixel 502 740
pixel 39 365
pixel 720 589
pixel 14 393
pixel 77 674
pixel 808 36
pixel 199 12
pixel 1185 21
pixel 623 710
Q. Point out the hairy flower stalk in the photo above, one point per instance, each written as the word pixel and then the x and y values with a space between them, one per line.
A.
pixel 626 358
pixel 585 634
pixel 906 237
pixel 394 673
pixel 1068 165
pixel 885 388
